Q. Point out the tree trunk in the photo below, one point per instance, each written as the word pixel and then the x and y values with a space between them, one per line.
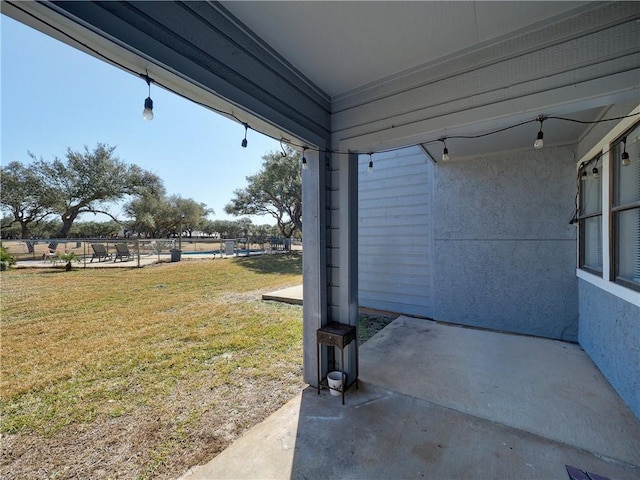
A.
pixel 67 223
pixel 26 233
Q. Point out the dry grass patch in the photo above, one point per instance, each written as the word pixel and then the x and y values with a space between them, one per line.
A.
pixel 142 372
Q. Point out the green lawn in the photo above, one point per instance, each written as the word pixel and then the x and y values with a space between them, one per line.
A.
pixel 188 345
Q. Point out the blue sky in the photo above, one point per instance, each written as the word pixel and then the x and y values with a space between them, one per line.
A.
pixel 54 96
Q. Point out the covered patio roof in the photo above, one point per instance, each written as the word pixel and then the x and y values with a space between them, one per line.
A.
pixel 372 75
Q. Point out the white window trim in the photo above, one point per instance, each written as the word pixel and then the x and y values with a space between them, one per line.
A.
pixel 605 282
pixel 616 289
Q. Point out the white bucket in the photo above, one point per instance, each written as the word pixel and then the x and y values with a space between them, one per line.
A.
pixel 335 379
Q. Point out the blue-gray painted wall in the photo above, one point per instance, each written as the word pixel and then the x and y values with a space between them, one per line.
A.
pixel 610 334
pixel 504 253
pixel 609 328
pixel 394 232
pixel 481 241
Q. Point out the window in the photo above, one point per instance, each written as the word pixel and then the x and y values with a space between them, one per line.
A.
pixel 625 209
pixel 590 216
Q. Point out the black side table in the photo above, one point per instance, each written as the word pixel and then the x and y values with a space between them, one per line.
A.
pixel 337 335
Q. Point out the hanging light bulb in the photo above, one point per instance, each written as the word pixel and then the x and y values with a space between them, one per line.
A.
pixel 244 141
pixel 147 113
pixel 626 161
pixel 370 167
pixel 304 160
pixel 583 175
pixel 445 152
pixel 539 143
pixel 596 173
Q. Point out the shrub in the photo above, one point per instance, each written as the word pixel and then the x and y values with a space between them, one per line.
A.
pixel 67 257
pixel 6 260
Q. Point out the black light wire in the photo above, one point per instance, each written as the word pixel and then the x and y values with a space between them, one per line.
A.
pixel 282 140
pixel 583 165
pixel 144 76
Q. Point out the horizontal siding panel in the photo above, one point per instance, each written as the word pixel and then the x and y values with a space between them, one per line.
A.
pixel 394 232
pixel 382 230
pixel 394 289
pixel 334 291
pixel 378 182
pixel 399 231
pixel 407 194
pixel 407 211
pixel 374 272
pixel 409 269
pixel 376 209
pixel 332 258
pixel 335 238
pixel 396 297
pixel 384 172
pixel 371 189
pixel 333 273
pixel 419 310
pixel 392 221
pixel 396 250
pixel 373 180
pixel 335 198
pixel 390 246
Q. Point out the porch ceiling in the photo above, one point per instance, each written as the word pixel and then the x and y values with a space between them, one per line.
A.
pixel 372 75
pixel 362 53
pixel 346 46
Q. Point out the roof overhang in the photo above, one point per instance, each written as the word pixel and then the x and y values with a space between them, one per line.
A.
pixel 371 75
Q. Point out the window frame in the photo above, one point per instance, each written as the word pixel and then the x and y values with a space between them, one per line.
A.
pixel 581 218
pixel 615 210
pixel 602 146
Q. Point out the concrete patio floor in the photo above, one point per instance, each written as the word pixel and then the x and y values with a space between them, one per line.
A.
pixel 441 401
pixel 292 295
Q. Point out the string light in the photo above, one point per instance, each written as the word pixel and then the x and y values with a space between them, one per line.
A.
pixel 244 141
pixel 539 143
pixel 370 167
pixel 626 161
pixel 445 151
pixel 594 171
pixel 304 159
pixel 147 113
pixel 539 140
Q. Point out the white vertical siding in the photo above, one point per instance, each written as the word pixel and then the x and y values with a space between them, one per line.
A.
pixel 395 232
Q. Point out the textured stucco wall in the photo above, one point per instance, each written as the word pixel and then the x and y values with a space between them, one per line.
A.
pixel 610 334
pixel 504 252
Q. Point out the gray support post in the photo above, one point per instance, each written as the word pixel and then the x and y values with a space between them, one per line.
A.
pixel 348 253
pixel 314 259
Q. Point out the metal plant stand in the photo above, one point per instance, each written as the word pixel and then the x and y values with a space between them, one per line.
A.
pixel 337 335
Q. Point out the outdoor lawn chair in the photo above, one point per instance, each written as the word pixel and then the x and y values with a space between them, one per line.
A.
pixel 122 252
pixel 51 252
pixel 99 252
